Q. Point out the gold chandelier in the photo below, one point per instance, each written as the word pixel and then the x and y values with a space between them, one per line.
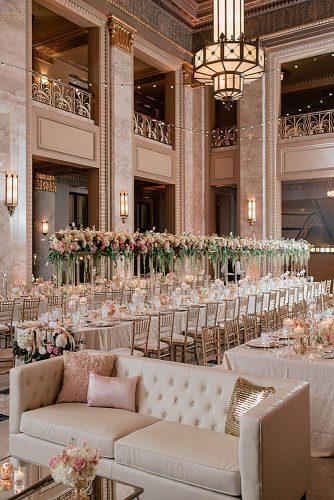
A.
pixel 232 58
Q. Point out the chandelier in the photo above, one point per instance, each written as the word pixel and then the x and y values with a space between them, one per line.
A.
pixel 232 59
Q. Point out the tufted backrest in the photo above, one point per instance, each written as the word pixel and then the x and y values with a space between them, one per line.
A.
pixel 189 394
pixel 33 386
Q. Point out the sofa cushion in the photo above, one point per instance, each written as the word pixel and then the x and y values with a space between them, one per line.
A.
pixel 100 427
pixel 184 453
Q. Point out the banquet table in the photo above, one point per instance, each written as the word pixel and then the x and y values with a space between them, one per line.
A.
pixel 310 368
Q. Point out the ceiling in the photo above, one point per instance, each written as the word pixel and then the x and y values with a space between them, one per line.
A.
pixel 197 14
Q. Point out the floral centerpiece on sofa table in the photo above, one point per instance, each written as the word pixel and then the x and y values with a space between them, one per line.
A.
pixel 75 466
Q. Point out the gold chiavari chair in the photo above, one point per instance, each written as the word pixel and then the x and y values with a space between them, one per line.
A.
pixel 319 303
pixel 56 302
pixel 282 313
pixel 29 309
pixel 259 304
pixel 293 296
pixel 211 312
pixel 140 335
pixel 186 342
pixel 273 299
pixel 99 298
pixel 269 321
pixel 6 321
pixel 139 338
pixel 162 347
pixel 116 295
pixel 231 334
pixel 242 307
pixel 301 293
pixel 299 309
pixel 328 287
pixel 282 297
pixel 251 327
pixel 210 337
pixel 266 297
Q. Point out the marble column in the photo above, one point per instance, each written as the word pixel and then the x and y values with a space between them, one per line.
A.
pixel 252 158
pixel 13 98
pixel 121 90
pixel 195 148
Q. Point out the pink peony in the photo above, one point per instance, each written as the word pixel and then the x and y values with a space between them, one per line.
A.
pixel 79 464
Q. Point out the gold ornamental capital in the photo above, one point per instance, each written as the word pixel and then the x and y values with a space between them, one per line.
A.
pixel 121 34
pixel 188 75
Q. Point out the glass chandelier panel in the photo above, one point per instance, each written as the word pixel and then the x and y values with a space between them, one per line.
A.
pixel 231 53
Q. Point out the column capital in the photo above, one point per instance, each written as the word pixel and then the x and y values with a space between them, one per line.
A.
pixel 121 34
pixel 188 75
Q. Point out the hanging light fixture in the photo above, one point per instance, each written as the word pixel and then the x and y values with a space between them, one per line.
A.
pixel 231 59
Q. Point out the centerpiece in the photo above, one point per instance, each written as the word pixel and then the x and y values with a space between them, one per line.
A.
pixel 75 467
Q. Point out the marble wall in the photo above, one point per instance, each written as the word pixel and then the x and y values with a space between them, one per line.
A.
pixel 252 162
pixel 13 135
pixel 121 77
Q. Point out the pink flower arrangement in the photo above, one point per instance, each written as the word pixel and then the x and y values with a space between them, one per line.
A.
pixel 75 466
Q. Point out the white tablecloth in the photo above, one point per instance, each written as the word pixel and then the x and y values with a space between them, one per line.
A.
pixel 318 372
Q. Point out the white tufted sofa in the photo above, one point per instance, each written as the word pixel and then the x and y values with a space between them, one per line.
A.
pixel 175 446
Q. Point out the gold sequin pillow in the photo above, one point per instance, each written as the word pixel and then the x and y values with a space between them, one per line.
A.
pixel 245 396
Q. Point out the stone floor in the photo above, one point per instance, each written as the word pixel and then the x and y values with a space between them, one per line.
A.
pixel 322 469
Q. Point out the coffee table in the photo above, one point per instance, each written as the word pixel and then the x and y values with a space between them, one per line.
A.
pixel 38 484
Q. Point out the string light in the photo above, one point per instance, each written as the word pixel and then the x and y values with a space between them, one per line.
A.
pixel 198 131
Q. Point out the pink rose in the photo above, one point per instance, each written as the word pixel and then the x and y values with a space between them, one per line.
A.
pixel 53 462
pixel 79 464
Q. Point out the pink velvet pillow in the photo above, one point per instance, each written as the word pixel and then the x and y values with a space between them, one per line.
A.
pixel 77 367
pixel 112 392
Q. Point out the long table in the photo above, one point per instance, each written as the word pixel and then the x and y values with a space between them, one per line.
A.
pixel 309 368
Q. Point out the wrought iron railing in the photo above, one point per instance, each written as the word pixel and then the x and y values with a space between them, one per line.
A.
pixel 223 137
pixel 321 122
pixel 61 96
pixel 145 126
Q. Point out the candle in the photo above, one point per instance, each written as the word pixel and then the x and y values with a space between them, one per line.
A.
pixel 6 470
pixel 18 475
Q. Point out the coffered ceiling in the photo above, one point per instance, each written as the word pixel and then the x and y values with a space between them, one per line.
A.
pixel 197 14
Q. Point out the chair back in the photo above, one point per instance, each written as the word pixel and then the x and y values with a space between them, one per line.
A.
pixel 7 312
pixel 29 310
pixel 140 333
pixel 328 287
pixel 56 301
pixel 116 295
pixel 283 297
pixel 229 309
pixel 269 321
pixel 282 313
pixel 259 303
pixel 251 327
pixel 231 334
pixel 273 300
pixel 242 309
pixel 299 309
pixel 211 313
pixel 99 298
pixel 211 344
pixel 166 325
pixel 192 321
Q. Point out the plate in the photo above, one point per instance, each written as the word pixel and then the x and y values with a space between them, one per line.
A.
pixel 257 343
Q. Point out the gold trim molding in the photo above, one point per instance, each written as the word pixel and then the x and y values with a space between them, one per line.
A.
pixel 44 182
pixel 121 34
pixel 188 75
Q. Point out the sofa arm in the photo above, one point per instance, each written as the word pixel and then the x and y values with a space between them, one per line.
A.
pixel 32 386
pixel 274 446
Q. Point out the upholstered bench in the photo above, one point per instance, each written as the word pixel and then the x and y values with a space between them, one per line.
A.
pixel 175 446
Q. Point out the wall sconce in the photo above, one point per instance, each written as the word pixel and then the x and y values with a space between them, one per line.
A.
pixel 11 192
pixel 251 212
pixel 124 206
pixel 45 227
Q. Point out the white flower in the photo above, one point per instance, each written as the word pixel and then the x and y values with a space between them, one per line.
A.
pixel 24 341
pixel 61 340
pixel 42 350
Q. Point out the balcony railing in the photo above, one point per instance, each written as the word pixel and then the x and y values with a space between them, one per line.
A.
pixel 223 137
pixel 145 126
pixel 321 122
pixel 59 95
